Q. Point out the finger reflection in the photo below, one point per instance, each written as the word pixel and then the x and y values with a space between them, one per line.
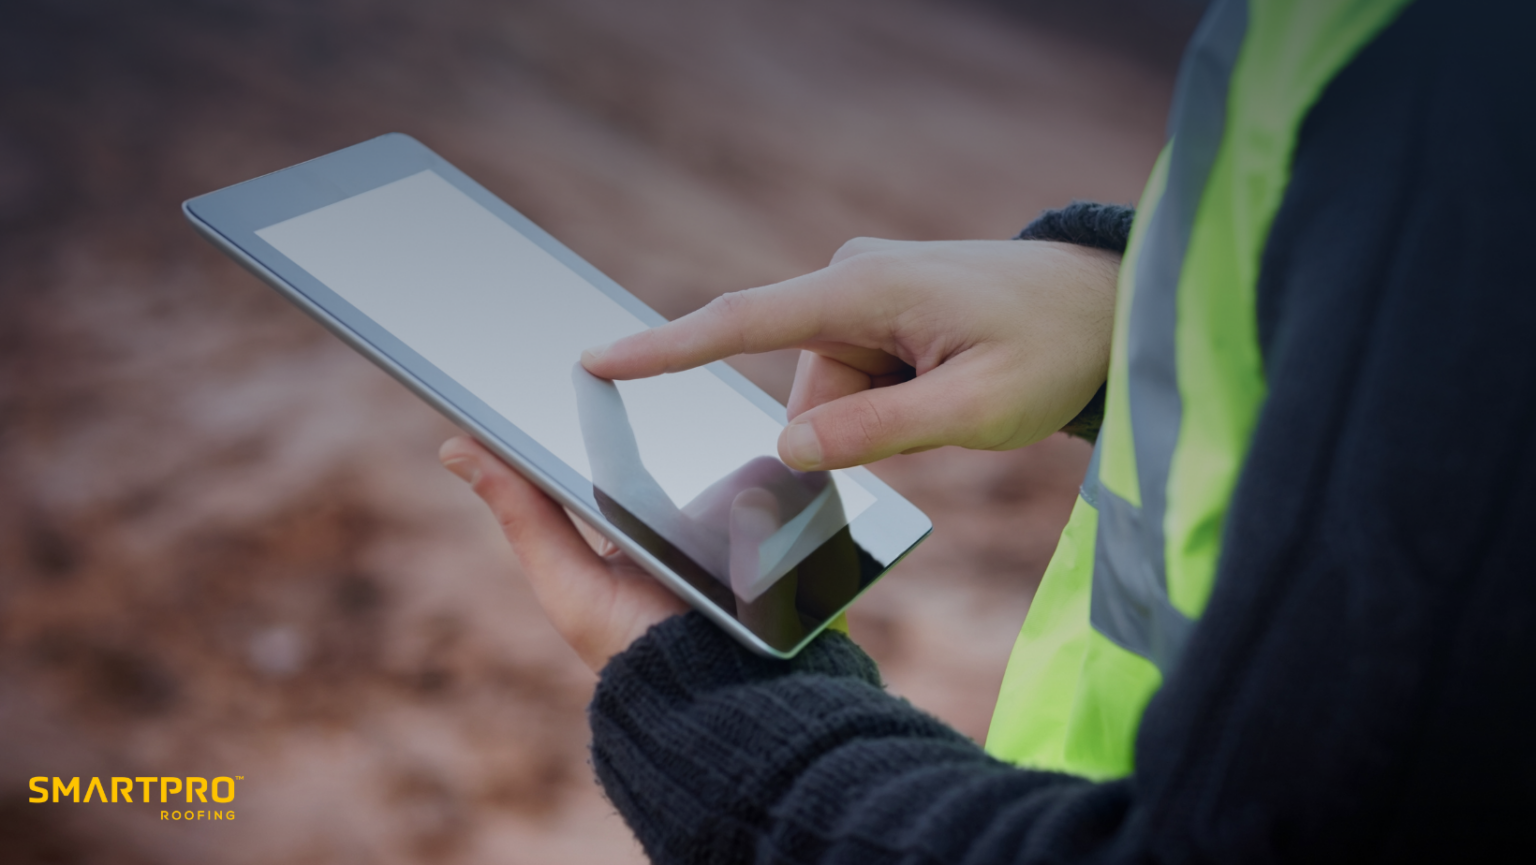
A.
pixel 748 531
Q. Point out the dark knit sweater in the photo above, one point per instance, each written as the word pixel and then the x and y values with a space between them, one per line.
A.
pixel 1362 685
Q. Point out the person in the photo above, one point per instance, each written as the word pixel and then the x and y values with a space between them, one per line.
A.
pixel 1293 615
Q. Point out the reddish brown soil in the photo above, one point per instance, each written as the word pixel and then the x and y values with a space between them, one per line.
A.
pixel 226 547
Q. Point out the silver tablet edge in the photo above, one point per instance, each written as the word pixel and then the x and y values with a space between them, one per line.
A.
pixel 529 470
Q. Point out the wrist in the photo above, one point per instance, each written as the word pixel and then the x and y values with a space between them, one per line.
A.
pixel 1105 227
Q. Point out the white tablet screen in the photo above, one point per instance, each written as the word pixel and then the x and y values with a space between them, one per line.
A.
pixel 508 321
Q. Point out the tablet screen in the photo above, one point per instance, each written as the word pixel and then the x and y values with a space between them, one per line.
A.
pixel 686 454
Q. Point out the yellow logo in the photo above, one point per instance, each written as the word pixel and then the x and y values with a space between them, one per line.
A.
pixel 197 790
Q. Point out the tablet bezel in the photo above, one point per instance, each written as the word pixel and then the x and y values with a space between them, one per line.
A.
pixel 229 218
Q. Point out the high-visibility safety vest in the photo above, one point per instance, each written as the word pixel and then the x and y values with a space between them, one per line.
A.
pixel 1137 561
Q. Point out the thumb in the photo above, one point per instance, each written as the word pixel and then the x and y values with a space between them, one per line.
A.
pixel 928 411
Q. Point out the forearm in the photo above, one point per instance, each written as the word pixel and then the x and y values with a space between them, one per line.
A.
pixel 711 753
pixel 1357 689
pixel 715 755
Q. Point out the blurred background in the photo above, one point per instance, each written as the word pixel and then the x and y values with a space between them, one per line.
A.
pixel 226 547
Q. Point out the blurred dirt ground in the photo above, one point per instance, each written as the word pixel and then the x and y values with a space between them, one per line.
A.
pixel 226 547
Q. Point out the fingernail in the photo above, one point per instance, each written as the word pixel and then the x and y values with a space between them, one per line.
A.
pixel 593 354
pixel 467 470
pixel 802 446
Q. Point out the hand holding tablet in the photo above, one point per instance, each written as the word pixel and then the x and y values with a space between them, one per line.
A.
pixel 599 603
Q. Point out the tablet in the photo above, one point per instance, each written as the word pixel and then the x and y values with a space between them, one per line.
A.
pixel 484 315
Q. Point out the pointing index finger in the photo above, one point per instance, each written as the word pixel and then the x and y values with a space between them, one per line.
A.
pixel 776 316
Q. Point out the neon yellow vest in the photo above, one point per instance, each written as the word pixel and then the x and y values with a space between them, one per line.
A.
pixel 1137 560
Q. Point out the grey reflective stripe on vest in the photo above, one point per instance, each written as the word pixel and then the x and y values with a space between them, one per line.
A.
pixel 1130 603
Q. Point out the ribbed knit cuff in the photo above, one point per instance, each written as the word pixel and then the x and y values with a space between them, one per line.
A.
pixel 1099 226
pixel 700 657
pixel 694 737
pixel 1085 223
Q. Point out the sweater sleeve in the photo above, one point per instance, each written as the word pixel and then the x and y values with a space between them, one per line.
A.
pixel 1359 687
pixel 1085 223
pixel 716 755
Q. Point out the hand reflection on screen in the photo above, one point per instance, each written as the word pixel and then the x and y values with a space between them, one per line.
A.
pixel 748 530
